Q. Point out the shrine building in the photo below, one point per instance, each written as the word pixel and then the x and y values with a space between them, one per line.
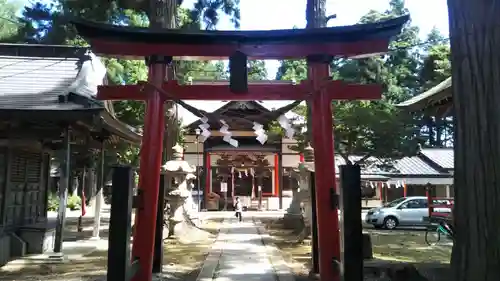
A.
pixel 240 171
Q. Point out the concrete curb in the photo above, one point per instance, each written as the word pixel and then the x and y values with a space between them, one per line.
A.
pixel 282 270
pixel 211 263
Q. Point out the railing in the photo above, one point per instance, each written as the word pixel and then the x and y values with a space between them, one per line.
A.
pixel 434 203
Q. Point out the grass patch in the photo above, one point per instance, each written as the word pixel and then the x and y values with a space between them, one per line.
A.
pixel 398 245
pixel 407 246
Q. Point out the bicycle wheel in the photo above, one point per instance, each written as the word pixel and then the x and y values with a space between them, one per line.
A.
pixel 432 236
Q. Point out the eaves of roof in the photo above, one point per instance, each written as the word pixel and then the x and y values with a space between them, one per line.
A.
pixel 437 94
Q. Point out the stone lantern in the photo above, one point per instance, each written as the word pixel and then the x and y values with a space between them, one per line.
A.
pixel 305 180
pixel 179 196
pixel 298 213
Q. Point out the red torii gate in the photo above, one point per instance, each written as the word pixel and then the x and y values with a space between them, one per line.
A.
pixel 318 45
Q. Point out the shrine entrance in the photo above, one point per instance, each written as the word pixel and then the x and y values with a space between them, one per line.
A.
pixel 241 169
pixel 318 46
pixel 247 175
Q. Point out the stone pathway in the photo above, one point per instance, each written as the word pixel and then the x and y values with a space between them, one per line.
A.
pixel 240 253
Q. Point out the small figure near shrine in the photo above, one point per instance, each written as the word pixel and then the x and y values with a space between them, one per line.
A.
pixel 238 208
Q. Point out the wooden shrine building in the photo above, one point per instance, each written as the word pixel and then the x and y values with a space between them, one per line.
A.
pixel 47 112
pixel 436 107
pixel 251 166
pixel 436 101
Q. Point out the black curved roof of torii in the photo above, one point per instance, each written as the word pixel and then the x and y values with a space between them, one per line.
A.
pixel 355 32
pixel 337 34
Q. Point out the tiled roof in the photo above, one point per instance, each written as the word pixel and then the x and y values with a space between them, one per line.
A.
pixel 414 166
pixel 440 92
pixel 405 166
pixel 443 157
pixel 36 82
pixel 43 77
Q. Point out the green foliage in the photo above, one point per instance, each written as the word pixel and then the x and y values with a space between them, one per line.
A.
pixel 292 70
pixel 53 202
pixel 436 63
pixel 257 70
pixel 9 24
pixel 74 203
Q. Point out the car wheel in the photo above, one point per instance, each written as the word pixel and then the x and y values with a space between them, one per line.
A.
pixel 390 223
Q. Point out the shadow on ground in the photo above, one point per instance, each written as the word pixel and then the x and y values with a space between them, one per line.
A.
pixel 391 249
pixel 181 261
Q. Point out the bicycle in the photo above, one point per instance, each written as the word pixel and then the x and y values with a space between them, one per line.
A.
pixel 433 233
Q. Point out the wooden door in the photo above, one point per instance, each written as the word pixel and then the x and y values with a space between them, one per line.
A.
pixel 26 195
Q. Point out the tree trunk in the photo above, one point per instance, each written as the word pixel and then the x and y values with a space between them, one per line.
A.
pixel 315 17
pixel 475 45
pixel 163 14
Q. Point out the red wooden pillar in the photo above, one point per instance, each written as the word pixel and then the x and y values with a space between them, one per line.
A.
pixel 208 178
pixel 276 175
pixel 327 215
pixel 149 174
pixel 405 189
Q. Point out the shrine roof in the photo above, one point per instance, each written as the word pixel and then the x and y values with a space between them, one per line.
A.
pixel 210 106
pixel 437 95
pixel 249 110
pixel 140 41
pixel 45 78
pixel 442 157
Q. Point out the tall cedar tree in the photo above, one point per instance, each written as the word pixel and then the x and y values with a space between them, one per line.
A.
pixel 475 57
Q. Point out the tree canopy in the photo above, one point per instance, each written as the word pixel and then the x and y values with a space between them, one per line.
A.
pixel 9 24
pixel 379 128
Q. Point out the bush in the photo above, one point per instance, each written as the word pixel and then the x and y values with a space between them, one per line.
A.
pixel 74 203
pixel 53 202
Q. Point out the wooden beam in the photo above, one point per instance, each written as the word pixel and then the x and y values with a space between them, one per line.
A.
pixel 216 133
pixel 31 133
pixel 13 142
pixel 337 90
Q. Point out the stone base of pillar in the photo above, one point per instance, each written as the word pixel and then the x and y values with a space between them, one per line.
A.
pixel 367 247
pixel 293 221
pixel 398 271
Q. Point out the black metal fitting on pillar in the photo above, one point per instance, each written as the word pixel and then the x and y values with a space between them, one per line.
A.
pixel 119 266
pixel 158 250
pixel 238 72
pixel 157 59
pixel 352 230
